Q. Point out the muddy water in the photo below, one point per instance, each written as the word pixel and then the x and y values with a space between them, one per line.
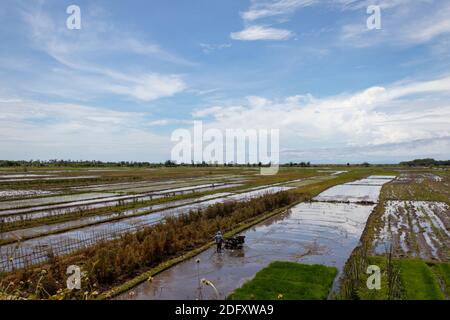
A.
pixel 323 233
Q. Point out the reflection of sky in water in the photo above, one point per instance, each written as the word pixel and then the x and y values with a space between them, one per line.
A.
pixel 132 223
pixel 323 233
pixel 69 207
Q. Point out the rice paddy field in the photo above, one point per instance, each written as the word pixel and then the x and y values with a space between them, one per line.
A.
pixel 124 226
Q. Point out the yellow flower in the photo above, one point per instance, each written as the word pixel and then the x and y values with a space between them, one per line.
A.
pixel 280 296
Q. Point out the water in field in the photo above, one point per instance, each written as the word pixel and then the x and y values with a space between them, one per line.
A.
pixel 8 194
pixel 49 178
pixel 49 200
pixel 316 232
pixel 84 221
pixel 11 176
pixel 90 234
pixel 36 212
pixel 415 229
pixel 364 190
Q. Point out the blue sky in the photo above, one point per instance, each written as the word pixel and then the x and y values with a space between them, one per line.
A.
pixel 137 70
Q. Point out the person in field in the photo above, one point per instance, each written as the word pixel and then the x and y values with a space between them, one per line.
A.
pixel 219 240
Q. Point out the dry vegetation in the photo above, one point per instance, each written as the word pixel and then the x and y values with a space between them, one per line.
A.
pixel 112 262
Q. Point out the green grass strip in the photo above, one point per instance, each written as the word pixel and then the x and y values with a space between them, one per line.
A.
pixel 288 281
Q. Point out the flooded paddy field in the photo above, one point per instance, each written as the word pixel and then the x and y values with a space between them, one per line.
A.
pixel 147 186
pixel 415 229
pixel 16 176
pixel 319 232
pixel 416 217
pixel 4 205
pixel 37 249
pixel 36 212
pixel 364 190
pixel 411 224
pixel 84 221
pixel 322 232
pixel 8 194
pixel 49 178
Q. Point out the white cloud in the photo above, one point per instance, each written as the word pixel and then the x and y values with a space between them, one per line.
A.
pixel 396 114
pixel 264 9
pixel 387 153
pixel 149 87
pixel 268 9
pixel 29 129
pixel 206 112
pixel 384 4
pixel 253 33
pixel 210 48
pixel 80 53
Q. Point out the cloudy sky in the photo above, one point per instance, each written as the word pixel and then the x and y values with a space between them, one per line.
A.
pixel 138 69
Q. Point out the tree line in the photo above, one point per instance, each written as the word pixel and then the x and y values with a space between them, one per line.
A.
pixel 425 163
